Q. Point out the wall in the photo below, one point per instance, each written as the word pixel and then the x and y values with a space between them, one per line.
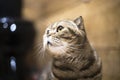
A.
pixel 101 18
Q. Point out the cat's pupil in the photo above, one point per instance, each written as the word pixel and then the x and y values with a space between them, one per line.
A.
pixel 59 28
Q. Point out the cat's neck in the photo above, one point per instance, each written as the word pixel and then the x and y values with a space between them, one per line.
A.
pixel 76 50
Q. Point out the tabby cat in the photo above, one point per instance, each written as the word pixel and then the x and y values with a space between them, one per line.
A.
pixel 73 57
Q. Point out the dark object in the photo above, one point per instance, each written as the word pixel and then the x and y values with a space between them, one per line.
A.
pixel 16 39
pixel 10 8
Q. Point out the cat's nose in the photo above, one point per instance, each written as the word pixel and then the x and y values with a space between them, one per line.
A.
pixel 48 35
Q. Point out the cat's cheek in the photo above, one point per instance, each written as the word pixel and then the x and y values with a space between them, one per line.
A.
pixel 44 41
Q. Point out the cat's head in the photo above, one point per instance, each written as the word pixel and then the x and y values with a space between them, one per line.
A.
pixel 60 35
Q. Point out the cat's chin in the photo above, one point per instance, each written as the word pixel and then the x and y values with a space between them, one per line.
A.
pixel 56 51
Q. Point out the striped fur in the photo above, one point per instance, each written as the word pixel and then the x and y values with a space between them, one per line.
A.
pixel 73 56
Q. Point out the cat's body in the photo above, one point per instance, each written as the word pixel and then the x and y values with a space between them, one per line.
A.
pixel 73 57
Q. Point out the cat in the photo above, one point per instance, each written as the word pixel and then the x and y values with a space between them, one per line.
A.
pixel 73 58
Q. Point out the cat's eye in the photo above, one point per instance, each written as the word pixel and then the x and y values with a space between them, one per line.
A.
pixel 59 28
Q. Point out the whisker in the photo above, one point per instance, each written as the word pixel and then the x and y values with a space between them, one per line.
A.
pixel 37 45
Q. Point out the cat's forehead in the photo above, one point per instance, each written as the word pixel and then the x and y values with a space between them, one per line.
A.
pixel 65 23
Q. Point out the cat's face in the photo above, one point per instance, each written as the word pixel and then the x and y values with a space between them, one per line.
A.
pixel 60 35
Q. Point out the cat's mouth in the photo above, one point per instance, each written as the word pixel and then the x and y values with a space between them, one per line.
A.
pixel 49 43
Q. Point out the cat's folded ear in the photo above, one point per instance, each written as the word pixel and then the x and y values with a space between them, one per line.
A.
pixel 79 22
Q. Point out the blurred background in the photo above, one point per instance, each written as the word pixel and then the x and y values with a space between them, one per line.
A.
pixel 101 19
